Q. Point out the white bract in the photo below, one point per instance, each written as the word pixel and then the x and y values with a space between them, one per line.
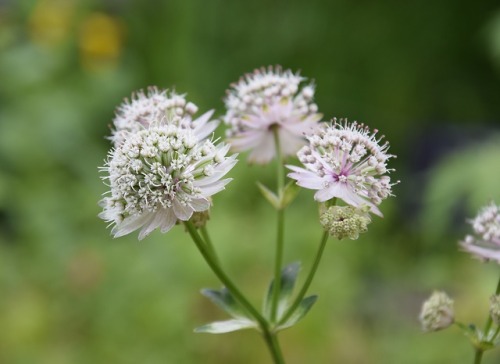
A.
pixel 345 161
pixel 160 175
pixel 485 244
pixel 157 107
pixel 267 100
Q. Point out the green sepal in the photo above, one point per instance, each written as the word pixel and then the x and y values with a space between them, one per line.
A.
pixel 225 300
pixel 476 336
pixel 287 282
pixel 269 196
pixel 222 327
pixel 300 312
pixel 289 194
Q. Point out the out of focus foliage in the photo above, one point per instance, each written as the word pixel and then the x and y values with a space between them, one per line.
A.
pixel 424 73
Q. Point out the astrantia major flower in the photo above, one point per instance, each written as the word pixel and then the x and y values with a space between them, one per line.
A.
pixel 155 107
pixel 160 175
pixel 485 243
pixel 267 100
pixel 345 161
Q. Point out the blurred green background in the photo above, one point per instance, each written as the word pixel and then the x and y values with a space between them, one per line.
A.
pixel 425 73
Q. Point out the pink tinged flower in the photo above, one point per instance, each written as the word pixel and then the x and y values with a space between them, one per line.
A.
pixel 485 243
pixel 159 107
pixel 267 100
pixel 345 161
pixel 159 176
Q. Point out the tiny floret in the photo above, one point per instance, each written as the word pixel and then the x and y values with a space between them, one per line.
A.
pixel 155 107
pixel 345 161
pixel 345 221
pixel 484 244
pixel 157 177
pixel 437 312
pixel 268 101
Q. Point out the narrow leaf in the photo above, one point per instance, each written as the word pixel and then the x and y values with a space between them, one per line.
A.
pixel 270 196
pixel 221 327
pixel 224 299
pixel 287 282
pixel 300 312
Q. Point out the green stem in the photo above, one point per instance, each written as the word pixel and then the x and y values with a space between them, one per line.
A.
pixel 278 260
pixel 478 356
pixel 208 243
pixel 309 279
pixel 269 338
pixel 489 322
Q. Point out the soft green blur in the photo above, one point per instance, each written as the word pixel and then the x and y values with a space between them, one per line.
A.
pixel 426 74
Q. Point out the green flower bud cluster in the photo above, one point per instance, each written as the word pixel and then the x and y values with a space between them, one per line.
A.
pixel 345 221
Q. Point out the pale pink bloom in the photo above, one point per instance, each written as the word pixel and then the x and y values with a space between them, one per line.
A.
pixel 157 107
pixel 162 175
pixel 485 243
pixel 263 101
pixel 345 161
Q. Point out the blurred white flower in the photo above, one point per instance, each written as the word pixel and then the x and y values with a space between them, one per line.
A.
pixel 160 175
pixel 267 100
pixel 437 312
pixel 345 161
pixel 485 244
pixel 156 107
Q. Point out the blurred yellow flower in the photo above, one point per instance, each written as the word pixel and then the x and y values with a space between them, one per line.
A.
pixel 100 41
pixel 51 20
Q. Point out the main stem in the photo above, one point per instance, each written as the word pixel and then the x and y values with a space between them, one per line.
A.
pixel 278 260
pixel 479 352
pixel 309 279
pixel 269 337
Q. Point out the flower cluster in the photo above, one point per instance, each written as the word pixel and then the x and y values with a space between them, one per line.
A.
pixel 345 221
pixel 345 161
pixel 437 312
pixel 485 244
pixel 268 101
pixel 156 107
pixel 160 175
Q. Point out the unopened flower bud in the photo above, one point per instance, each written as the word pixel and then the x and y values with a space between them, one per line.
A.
pixel 345 221
pixel 495 309
pixel 437 312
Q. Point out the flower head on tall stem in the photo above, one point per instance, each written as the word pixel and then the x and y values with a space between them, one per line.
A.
pixel 485 243
pixel 267 100
pixel 345 161
pixel 160 175
pixel 155 107
pixel 437 312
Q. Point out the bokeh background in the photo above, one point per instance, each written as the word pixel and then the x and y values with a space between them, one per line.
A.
pixel 425 73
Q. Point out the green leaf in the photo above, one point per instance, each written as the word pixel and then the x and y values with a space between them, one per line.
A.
pixel 287 282
pixel 300 312
pixel 221 327
pixel 290 192
pixel 270 196
pixel 225 300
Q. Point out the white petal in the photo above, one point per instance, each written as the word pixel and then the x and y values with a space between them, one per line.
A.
pixel 481 253
pixel 130 224
pixel 201 204
pixel 183 212
pixel 215 187
pixel 168 221
pixel 152 224
pixel 264 151
pixel 305 178
pixel 247 140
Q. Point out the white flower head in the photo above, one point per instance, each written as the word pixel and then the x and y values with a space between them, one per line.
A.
pixel 437 312
pixel 267 100
pixel 485 243
pixel 161 175
pixel 345 161
pixel 156 107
